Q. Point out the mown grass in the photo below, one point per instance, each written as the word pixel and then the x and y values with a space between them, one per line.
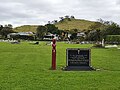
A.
pixel 26 67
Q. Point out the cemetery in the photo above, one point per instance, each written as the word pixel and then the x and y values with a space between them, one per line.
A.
pixel 60 45
pixel 71 54
pixel 26 66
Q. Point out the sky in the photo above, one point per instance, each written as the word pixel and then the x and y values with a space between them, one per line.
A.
pixel 39 12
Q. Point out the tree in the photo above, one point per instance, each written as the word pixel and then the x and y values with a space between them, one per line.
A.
pixel 61 18
pixel 55 21
pixel 41 31
pixel 113 39
pixel 102 29
pixel 10 26
pixel 111 29
pixel 72 17
pixel 52 28
pixel 73 34
pixel 94 35
pixel 86 34
pixel 1 27
pixel 66 16
pixel 49 22
pixel 6 30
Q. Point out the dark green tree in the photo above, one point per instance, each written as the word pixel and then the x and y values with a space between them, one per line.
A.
pixel 111 29
pixel 73 34
pixel 41 31
pixel 1 27
pixel 101 29
pixel 6 30
pixel 61 19
pixel 72 17
pixel 52 29
pixel 94 35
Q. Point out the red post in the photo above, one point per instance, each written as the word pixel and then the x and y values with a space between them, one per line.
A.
pixel 54 54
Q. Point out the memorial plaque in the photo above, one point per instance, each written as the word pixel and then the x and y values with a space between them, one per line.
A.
pixel 78 59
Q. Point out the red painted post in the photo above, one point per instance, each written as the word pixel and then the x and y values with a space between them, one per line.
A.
pixel 54 54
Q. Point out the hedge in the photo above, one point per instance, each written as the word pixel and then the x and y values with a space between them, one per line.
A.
pixel 113 38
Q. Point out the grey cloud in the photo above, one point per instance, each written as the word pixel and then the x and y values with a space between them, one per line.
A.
pixel 118 2
pixel 40 11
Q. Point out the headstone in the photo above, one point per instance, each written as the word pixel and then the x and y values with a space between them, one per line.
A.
pixel 36 43
pixel 103 43
pixel 111 46
pixel 78 59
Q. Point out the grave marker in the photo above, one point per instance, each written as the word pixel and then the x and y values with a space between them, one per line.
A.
pixel 54 54
pixel 78 59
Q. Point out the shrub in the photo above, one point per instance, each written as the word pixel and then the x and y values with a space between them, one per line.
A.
pixel 113 39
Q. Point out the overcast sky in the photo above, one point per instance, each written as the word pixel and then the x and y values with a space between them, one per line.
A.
pixel 32 12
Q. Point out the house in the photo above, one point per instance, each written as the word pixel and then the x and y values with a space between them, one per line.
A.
pixel 50 37
pixel 22 35
pixel 80 34
pixel 69 35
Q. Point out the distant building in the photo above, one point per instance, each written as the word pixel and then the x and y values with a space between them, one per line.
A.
pixel 50 37
pixel 22 35
pixel 80 34
pixel 69 35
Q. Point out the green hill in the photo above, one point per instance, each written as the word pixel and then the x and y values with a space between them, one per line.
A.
pixel 26 28
pixel 74 24
pixel 62 25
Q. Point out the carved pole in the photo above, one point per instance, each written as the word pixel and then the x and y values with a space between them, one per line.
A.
pixel 54 54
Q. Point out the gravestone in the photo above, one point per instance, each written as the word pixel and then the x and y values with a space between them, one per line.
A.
pixel 103 43
pixel 36 43
pixel 78 59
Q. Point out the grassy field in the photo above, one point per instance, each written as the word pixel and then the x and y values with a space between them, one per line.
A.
pixel 26 67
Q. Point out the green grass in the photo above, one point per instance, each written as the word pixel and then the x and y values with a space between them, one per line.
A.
pixel 26 67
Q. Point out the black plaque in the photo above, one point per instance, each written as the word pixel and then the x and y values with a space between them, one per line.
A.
pixel 78 59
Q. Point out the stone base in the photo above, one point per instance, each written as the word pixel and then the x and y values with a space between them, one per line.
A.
pixel 78 68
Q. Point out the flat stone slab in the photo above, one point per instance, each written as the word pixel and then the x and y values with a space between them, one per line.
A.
pixel 111 46
pixel 78 68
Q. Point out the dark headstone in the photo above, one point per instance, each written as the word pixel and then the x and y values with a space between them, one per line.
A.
pixel 78 59
pixel 36 43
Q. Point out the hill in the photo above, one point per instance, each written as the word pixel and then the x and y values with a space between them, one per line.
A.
pixel 26 28
pixel 74 24
pixel 62 25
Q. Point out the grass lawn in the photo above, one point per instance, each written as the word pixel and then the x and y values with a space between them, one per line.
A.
pixel 26 67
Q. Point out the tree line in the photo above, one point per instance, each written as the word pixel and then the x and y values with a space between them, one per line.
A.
pixel 99 30
pixel 96 32
pixel 67 17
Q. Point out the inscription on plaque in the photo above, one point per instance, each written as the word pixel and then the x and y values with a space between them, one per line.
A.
pixel 78 57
